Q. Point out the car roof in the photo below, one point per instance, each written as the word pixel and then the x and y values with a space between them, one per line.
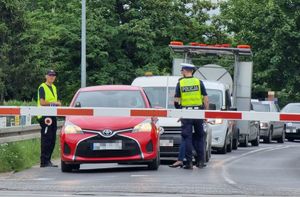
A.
pixel 109 87
pixel 293 104
pixel 162 81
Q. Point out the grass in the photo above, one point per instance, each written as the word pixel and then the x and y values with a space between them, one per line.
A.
pixel 17 156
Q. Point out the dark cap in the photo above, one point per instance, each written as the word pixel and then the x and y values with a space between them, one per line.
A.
pixel 51 73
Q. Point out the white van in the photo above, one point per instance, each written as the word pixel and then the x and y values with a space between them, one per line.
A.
pixel 161 90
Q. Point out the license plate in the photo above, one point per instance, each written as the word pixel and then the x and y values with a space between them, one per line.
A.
pixel 166 143
pixel 115 145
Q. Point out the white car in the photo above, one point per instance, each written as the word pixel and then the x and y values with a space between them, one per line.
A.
pixel 161 90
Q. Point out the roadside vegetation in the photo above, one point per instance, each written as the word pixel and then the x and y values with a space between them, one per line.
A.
pixel 16 156
pixel 125 38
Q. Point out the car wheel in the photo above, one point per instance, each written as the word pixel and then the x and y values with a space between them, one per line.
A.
pixel 235 142
pixel 256 141
pixel 281 139
pixel 224 149
pixel 229 146
pixel 246 141
pixel 268 139
pixel 154 165
pixel 290 139
pixel 69 167
pixel 208 154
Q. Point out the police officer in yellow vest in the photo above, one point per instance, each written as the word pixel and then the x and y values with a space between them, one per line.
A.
pixel 47 96
pixel 191 94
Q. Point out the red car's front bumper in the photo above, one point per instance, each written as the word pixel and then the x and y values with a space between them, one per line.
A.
pixel 78 148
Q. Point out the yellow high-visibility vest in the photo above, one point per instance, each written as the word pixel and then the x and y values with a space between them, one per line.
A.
pixel 49 96
pixel 190 91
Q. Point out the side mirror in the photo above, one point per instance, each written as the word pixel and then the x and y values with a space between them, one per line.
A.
pixel 212 106
pixel 77 104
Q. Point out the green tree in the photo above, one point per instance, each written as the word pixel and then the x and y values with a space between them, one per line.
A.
pixel 272 28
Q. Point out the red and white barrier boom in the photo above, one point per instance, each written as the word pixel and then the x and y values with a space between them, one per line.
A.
pixel 127 112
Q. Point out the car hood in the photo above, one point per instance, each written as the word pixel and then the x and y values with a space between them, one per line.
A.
pixel 101 123
pixel 169 122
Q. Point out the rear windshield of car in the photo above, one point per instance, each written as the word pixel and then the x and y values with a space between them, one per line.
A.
pixel 291 109
pixel 111 98
pixel 159 98
pixel 261 107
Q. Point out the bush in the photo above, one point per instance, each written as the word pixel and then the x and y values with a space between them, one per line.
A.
pixel 16 156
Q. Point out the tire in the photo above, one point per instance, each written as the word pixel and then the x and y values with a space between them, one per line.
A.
pixel 208 154
pixel 235 143
pixel 154 165
pixel 256 141
pixel 245 143
pixel 224 149
pixel 290 139
pixel 268 139
pixel 282 138
pixel 69 167
pixel 229 146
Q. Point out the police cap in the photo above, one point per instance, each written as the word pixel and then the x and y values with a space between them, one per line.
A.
pixel 187 66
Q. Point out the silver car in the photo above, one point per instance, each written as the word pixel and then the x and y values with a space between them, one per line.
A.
pixel 292 131
pixel 270 130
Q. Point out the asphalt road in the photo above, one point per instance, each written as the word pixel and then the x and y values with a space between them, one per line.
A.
pixel 268 170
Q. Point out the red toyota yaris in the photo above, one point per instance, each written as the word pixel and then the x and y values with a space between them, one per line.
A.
pixel 109 139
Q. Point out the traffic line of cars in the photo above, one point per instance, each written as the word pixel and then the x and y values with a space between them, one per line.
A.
pixel 144 140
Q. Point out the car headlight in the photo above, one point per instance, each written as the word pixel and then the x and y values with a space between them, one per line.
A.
pixel 71 128
pixel 144 126
pixel 216 121
pixel 264 125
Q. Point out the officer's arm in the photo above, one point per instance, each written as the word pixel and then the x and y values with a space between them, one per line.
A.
pixel 206 102
pixel 177 99
pixel 205 97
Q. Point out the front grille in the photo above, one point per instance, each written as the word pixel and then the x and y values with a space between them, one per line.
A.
pixel 85 148
pixel 172 130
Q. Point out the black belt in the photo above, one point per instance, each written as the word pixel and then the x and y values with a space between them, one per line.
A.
pixel 192 107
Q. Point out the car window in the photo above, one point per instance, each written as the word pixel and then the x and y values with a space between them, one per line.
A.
pixel 215 97
pixel 261 107
pixel 291 109
pixel 157 96
pixel 111 98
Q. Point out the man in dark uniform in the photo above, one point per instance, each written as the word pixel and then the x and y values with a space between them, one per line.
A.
pixel 47 96
pixel 191 94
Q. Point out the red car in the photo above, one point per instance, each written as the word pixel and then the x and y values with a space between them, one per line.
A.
pixel 109 139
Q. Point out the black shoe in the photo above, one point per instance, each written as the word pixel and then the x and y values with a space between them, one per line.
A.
pixel 176 164
pixel 200 164
pixel 188 166
pixel 49 164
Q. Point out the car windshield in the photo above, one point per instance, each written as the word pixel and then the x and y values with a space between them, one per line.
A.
pixel 111 98
pixel 157 97
pixel 291 109
pixel 261 107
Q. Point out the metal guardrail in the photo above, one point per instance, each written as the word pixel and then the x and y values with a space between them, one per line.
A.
pixel 13 134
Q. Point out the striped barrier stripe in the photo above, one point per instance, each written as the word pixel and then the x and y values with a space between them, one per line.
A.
pixel 127 112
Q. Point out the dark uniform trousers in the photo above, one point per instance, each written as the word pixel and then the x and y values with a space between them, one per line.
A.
pixel 47 139
pixel 196 139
